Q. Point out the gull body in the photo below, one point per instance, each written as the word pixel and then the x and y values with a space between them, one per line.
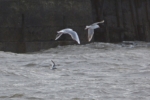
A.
pixel 69 31
pixel 91 29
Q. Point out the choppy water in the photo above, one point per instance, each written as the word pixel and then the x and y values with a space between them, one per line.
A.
pixel 96 71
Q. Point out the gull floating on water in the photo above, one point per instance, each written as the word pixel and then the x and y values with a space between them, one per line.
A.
pixel 69 31
pixel 53 65
pixel 91 29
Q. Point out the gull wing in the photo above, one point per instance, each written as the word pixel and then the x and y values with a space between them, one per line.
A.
pixel 63 31
pixel 58 35
pixel 73 35
pixel 90 34
pixel 67 29
pixel 53 64
pixel 98 22
pixel 94 26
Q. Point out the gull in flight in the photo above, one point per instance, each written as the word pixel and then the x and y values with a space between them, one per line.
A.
pixel 91 29
pixel 69 31
pixel 53 65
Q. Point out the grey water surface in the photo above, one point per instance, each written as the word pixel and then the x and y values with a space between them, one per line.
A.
pixel 95 71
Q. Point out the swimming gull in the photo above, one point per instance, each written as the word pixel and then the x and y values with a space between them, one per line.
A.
pixel 53 65
pixel 69 31
pixel 91 29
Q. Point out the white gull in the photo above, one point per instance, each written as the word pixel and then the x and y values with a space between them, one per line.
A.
pixel 91 29
pixel 69 31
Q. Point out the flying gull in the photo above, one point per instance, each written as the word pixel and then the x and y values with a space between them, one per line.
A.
pixel 53 65
pixel 91 29
pixel 69 31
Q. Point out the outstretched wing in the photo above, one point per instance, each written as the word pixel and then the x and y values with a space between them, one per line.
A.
pixel 74 36
pixel 90 34
pixel 98 22
pixel 94 26
pixel 58 35
pixel 53 64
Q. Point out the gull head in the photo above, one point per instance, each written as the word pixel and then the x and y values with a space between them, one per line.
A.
pixel 58 32
pixel 87 27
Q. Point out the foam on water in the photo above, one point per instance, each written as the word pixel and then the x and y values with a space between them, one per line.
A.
pixel 95 71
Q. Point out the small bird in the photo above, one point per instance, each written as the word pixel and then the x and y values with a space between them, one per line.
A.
pixel 53 65
pixel 69 31
pixel 91 29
